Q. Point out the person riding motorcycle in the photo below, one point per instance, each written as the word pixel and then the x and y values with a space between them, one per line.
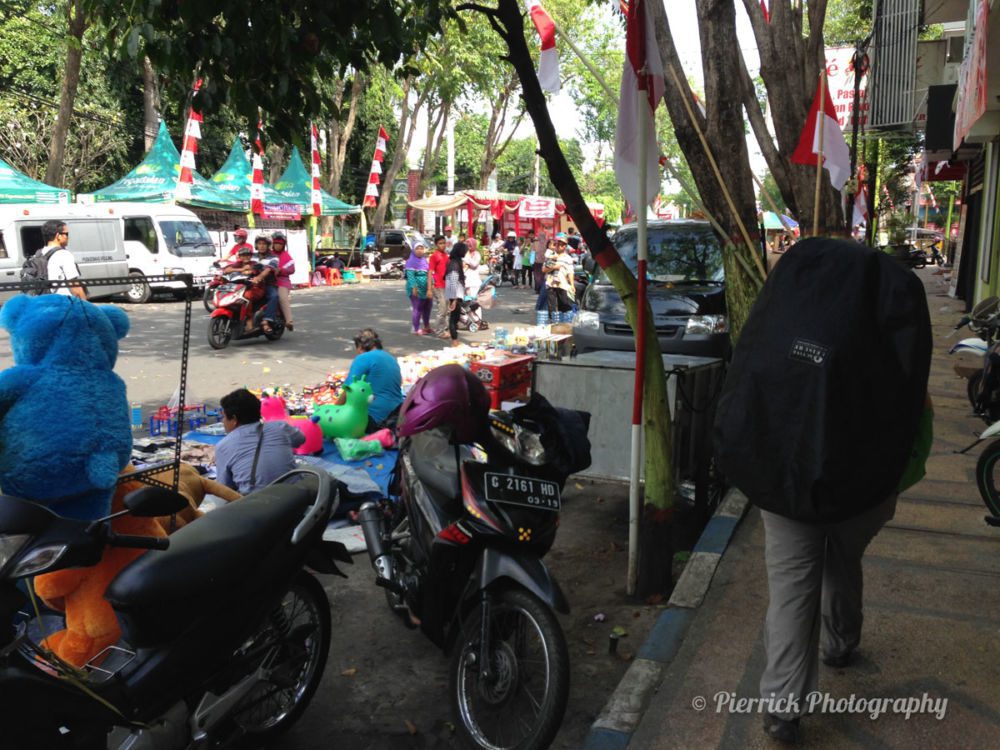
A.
pixel 261 272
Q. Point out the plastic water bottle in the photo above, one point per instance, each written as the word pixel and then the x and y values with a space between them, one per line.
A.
pixel 136 415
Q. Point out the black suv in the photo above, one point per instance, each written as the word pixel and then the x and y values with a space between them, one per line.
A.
pixel 686 288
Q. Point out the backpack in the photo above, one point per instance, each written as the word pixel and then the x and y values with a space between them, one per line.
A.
pixel 35 273
pixel 821 405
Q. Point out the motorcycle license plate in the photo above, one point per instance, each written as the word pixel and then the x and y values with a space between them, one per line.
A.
pixel 527 492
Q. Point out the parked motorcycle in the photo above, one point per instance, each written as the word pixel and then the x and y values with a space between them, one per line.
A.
pixel 936 258
pixel 983 393
pixel 225 634
pixel 460 553
pixel 239 313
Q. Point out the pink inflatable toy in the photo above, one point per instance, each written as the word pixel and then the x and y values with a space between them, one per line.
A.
pixel 272 409
pixel 314 435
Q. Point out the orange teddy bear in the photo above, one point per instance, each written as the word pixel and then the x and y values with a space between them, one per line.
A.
pixel 91 623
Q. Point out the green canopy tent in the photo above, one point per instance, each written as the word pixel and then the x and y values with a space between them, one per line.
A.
pixel 235 179
pixel 17 187
pixel 296 182
pixel 772 221
pixel 155 181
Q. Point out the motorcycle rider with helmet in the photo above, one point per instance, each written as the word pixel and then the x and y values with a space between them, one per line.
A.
pixel 267 277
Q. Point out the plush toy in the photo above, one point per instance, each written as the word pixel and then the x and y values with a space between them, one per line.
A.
pixel 65 431
pixel 349 419
pixel 272 409
pixel 91 624
pixel 194 487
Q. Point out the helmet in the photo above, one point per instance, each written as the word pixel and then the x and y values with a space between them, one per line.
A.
pixel 241 233
pixel 511 233
pixel 279 237
pixel 245 250
pixel 447 396
pixel 262 238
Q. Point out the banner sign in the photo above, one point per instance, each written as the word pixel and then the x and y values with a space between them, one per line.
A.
pixel 971 103
pixel 282 211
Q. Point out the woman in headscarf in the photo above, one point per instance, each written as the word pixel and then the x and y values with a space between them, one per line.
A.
pixel 419 290
pixel 454 288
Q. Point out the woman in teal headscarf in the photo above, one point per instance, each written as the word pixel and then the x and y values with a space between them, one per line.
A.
pixel 418 290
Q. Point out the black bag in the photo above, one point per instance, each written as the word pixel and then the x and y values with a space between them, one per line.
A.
pixel 35 272
pixel 563 434
pixel 821 404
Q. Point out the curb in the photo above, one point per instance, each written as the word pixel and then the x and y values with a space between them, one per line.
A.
pixel 624 710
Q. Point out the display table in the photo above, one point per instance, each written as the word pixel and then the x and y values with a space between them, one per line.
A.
pixel 603 384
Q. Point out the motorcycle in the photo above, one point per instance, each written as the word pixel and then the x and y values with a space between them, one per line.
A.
pixel 983 393
pixel 239 313
pixel 936 258
pixel 225 634
pixel 460 553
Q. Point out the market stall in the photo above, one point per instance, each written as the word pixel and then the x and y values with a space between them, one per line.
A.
pixel 17 187
pixel 507 211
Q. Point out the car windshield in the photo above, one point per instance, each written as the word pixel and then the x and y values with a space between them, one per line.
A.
pixel 187 238
pixel 413 237
pixel 676 253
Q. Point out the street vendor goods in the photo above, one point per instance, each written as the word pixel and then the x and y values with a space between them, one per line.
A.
pixel 224 633
pixel 349 419
pixel 460 553
pixel 194 487
pixel 91 625
pixel 273 408
pixel 65 427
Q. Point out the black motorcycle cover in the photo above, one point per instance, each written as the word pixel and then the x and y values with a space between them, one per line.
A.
pixel 820 406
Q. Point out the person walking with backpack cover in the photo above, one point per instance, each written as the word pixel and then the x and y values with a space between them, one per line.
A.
pixel 822 422
pixel 53 263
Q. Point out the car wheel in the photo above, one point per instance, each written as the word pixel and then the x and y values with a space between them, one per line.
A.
pixel 138 292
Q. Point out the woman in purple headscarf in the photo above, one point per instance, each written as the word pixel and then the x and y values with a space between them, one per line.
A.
pixel 418 290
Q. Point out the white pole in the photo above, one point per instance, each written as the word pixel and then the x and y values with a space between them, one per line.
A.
pixel 450 134
pixel 538 171
pixel 634 509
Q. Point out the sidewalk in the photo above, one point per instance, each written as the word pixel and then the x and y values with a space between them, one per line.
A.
pixel 932 604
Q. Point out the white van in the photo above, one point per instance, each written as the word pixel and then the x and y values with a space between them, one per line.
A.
pixel 160 240
pixel 94 239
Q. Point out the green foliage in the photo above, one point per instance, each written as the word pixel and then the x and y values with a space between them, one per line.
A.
pixel 516 167
pixel 847 22
pixel 268 55
pixel 375 109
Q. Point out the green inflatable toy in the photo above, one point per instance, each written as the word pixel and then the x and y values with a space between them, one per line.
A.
pixel 347 420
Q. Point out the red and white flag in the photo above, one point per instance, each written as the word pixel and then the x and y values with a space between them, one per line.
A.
pixel 317 198
pixel 371 192
pixel 548 57
pixel 257 182
pixel 766 10
pixel 642 76
pixel 836 154
pixel 192 134
pixel 860 207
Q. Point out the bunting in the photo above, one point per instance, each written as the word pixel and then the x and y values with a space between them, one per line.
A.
pixel 257 185
pixel 317 200
pixel 371 192
pixel 192 134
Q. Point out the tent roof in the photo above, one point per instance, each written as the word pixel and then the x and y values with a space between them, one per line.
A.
pixel 771 221
pixel 235 178
pixel 17 187
pixel 297 182
pixel 155 181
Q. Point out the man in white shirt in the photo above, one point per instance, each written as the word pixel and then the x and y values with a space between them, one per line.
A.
pixel 62 264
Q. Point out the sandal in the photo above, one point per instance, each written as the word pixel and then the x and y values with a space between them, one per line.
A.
pixel 290 326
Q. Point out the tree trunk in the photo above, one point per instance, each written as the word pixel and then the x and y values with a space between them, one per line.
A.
pixel 338 135
pixel 276 161
pixel 150 103
pixel 496 144
pixel 77 25
pixel 407 126
pixel 655 551
pixel 436 126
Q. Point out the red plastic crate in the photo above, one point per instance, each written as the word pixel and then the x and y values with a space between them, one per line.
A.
pixel 499 373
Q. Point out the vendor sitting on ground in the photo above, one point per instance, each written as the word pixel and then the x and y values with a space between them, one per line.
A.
pixel 382 371
pixel 253 453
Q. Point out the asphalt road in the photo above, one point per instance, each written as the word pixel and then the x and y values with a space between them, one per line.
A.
pixel 326 320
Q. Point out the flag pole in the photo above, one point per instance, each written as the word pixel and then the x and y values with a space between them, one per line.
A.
pixel 821 117
pixel 634 506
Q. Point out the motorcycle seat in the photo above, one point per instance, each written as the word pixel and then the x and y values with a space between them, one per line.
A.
pixel 215 552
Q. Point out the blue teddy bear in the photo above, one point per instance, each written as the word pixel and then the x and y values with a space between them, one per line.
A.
pixel 65 432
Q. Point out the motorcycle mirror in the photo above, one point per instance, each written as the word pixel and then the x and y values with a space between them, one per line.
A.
pixel 148 502
pixel 963 322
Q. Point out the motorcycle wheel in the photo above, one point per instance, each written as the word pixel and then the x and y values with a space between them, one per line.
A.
pixel 276 331
pixel 209 299
pixel 972 388
pixel 295 641
pixel 220 331
pixel 987 478
pixel 521 704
